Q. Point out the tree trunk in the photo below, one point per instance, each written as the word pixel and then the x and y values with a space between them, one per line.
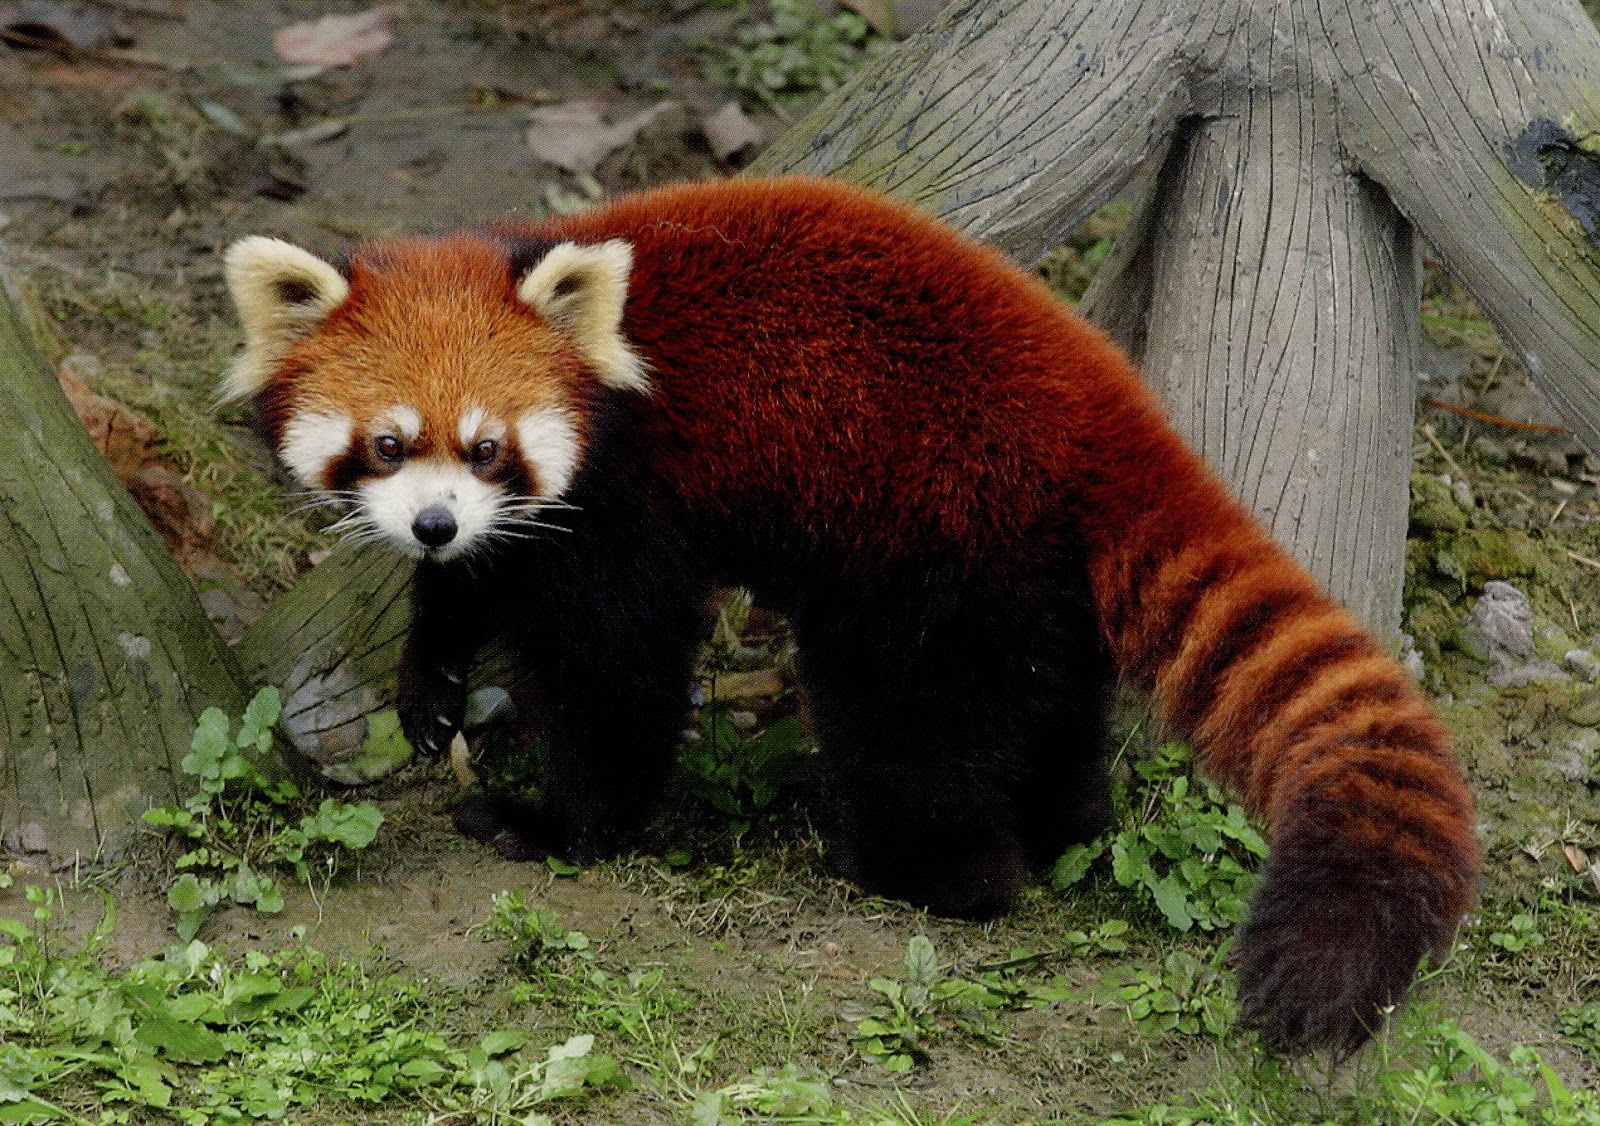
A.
pixel 331 645
pixel 1270 286
pixel 106 657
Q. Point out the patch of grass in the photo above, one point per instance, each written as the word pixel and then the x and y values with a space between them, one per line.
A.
pixel 1185 995
pixel 794 1095
pixel 1521 933
pixel 793 54
pixel 203 1037
pixel 1581 1025
pixel 535 942
pixel 239 826
pixel 1426 1071
pixel 894 1027
pixel 561 969
pixel 1182 849
pixel 513 1091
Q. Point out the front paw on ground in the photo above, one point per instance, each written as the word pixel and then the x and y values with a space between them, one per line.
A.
pixel 500 822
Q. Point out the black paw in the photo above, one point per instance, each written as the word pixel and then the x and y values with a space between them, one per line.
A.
pixel 432 706
pixel 524 830
pixel 1332 943
pixel 502 822
pixel 963 874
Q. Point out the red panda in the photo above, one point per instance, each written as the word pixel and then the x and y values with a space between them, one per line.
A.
pixel 968 505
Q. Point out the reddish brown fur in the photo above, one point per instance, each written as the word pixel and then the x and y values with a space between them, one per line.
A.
pixel 434 324
pixel 959 413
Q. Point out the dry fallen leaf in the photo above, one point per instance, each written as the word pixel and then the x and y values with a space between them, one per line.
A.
pixel 575 136
pixel 126 438
pixel 730 131
pixel 336 40
pixel 461 762
pixel 753 684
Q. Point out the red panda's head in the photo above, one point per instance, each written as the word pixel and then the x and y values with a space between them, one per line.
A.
pixel 445 389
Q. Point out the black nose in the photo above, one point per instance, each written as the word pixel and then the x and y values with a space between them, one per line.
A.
pixel 434 526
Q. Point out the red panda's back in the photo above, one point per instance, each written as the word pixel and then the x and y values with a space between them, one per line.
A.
pixel 820 348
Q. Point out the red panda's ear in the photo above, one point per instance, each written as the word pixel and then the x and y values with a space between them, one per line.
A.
pixel 580 292
pixel 282 293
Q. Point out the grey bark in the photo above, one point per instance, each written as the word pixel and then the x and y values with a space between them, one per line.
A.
pixel 106 656
pixel 1285 149
pixel 331 645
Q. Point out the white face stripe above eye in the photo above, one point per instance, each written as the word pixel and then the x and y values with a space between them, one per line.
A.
pixel 550 448
pixel 406 420
pixel 476 426
pixel 311 441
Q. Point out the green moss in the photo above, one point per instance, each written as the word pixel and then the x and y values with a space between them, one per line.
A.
pixel 1477 555
pixel 1433 506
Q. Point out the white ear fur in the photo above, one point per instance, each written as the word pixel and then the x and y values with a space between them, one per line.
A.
pixel 580 291
pixel 282 293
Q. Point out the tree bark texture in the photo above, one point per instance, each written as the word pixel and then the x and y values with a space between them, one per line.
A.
pixel 106 656
pixel 1285 149
pixel 331 645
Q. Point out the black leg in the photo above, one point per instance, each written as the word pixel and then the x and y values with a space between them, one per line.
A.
pixel 609 635
pixel 450 609
pixel 963 731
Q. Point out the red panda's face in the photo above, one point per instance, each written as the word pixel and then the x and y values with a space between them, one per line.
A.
pixel 443 390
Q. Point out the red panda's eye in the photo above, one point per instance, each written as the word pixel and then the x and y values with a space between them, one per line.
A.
pixel 484 451
pixel 387 447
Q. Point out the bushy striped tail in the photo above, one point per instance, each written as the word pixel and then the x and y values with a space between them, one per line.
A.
pixel 1291 702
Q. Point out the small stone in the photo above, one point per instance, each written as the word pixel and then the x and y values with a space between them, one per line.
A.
pixel 1410 657
pixel 1584 663
pixel 30 838
pixel 1504 617
pixel 1490 450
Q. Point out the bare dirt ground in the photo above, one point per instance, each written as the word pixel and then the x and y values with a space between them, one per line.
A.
pixel 128 164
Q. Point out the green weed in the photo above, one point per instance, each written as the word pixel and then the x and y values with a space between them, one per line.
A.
pixel 1425 1071
pixel 793 1096
pixel 787 1095
pixel 534 940
pixel 739 772
pixel 1182 849
pixel 238 822
pixel 1185 996
pixel 1456 1080
pixel 795 53
pixel 1521 933
pixel 1582 1026
pixel 562 969
pixel 895 1028
pixel 168 1034
pixel 1103 939
pixel 510 1091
